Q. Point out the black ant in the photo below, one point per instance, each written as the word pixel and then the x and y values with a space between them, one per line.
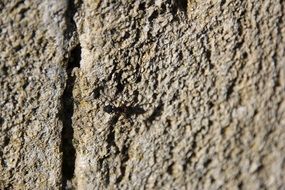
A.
pixel 126 110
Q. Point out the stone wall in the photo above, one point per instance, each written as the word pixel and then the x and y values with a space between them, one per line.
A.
pixel 128 94
pixel 32 80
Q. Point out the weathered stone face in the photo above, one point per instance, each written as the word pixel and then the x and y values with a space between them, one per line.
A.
pixel 32 80
pixel 210 79
pixel 142 94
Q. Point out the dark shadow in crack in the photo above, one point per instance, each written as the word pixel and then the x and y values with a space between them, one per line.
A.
pixel 67 148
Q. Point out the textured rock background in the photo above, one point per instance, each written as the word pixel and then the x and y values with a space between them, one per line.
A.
pixel 33 56
pixel 169 94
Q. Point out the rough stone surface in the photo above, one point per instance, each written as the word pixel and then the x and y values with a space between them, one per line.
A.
pixel 32 80
pixel 180 95
pixel 169 94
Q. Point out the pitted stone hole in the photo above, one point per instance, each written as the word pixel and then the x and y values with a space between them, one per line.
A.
pixel 75 57
pixel 178 7
pixel 68 150
pixel 182 5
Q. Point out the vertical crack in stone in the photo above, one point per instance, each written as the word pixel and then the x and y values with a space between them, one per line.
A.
pixel 67 148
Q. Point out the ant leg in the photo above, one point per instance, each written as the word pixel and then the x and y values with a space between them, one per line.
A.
pixel 108 99
pixel 131 121
pixel 114 120
pixel 129 118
